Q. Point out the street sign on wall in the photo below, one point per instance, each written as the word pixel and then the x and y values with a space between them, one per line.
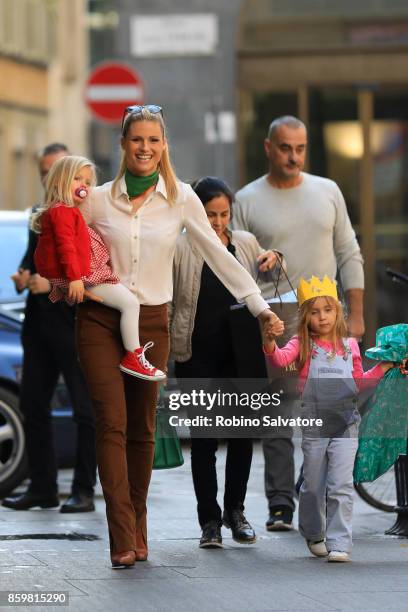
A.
pixel 174 35
pixel 111 86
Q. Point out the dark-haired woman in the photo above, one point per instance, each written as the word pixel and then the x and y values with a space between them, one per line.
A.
pixel 140 216
pixel 201 345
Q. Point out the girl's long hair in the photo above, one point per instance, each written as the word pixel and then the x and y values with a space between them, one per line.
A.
pixel 306 338
pixel 165 166
pixel 58 185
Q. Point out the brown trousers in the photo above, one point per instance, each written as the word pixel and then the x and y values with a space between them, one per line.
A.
pixel 124 409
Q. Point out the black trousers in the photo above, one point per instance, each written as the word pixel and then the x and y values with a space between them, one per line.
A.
pixel 203 450
pixel 49 349
pixel 203 467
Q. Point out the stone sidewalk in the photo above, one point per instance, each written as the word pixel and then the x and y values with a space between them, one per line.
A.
pixel 276 574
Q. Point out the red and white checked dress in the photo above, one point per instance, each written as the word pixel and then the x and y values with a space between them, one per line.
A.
pixel 101 271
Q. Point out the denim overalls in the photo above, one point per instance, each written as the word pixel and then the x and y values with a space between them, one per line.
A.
pixel 326 495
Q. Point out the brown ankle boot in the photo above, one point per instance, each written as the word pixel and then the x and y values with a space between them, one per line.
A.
pixel 141 546
pixel 123 559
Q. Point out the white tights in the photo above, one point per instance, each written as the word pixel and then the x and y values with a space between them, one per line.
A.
pixel 121 298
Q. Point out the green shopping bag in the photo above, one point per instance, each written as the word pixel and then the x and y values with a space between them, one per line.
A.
pixel 167 449
pixel 384 428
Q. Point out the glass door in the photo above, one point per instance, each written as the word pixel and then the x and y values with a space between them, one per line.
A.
pixel 359 138
pixel 389 150
pixel 335 143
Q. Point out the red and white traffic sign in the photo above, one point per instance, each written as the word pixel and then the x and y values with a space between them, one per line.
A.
pixel 111 86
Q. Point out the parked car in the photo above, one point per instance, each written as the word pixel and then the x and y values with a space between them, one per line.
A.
pixel 13 459
pixel 13 243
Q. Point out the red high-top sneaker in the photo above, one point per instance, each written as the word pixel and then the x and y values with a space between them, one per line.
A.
pixel 136 364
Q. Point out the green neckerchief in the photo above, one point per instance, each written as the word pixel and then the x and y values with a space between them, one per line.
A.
pixel 137 185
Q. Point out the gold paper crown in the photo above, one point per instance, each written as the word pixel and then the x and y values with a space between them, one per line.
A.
pixel 313 288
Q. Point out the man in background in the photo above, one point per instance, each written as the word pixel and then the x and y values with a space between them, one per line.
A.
pixel 48 339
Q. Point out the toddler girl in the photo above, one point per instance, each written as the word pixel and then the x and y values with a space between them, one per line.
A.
pixel 74 257
pixel 331 373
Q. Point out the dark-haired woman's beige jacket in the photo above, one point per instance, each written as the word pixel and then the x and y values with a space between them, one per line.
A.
pixel 187 268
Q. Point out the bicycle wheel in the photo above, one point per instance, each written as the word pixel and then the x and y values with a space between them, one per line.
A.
pixel 380 493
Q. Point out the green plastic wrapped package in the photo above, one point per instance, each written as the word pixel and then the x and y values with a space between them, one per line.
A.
pixel 384 428
pixel 391 343
pixel 167 448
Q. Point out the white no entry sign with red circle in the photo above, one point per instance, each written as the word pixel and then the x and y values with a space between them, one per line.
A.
pixel 111 86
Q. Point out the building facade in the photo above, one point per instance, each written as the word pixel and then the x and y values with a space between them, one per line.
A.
pixel 224 70
pixel 184 52
pixel 43 61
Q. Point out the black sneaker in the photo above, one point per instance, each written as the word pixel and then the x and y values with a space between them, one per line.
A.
pixel 242 531
pixel 280 519
pixel 211 536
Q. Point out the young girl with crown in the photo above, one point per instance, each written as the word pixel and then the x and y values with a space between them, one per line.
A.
pixel 331 373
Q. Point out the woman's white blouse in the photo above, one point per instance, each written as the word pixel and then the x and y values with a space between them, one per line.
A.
pixel 142 244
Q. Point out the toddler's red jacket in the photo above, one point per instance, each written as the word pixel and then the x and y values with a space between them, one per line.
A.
pixel 64 247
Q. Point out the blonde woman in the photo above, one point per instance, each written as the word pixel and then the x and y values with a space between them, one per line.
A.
pixel 140 216
pixel 72 256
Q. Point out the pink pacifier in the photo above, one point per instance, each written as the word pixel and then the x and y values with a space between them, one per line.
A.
pixel 81 192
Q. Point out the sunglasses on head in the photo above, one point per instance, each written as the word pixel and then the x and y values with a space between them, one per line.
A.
pixel 138 108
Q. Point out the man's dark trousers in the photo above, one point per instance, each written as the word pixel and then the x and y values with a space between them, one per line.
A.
pixel 49 349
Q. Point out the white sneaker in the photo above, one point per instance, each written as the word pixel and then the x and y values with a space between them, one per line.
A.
pixel 338 556
pixel 318 549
